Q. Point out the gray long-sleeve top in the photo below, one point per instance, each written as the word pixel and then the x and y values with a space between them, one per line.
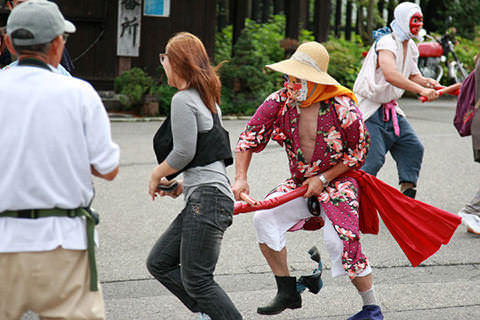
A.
pixel 189 116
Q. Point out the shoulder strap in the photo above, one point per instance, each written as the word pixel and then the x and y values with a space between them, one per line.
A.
pixel 380 33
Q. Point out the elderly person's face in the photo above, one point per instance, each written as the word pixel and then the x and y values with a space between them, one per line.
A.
pixel 296 90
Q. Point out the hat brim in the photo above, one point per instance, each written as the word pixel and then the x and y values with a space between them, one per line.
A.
pixel 302 71
pixel 69 27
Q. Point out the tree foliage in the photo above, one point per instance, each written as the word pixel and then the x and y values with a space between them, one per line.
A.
pixel 441 15
pixel 466 15
pixel 245 80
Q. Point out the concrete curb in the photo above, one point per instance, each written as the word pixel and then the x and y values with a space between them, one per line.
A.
pixel 119 117
pixel 122 117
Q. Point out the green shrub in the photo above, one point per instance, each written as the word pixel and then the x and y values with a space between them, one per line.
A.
pixel 466 50
pixel 245 80
pixel 133 85
pixel 164 94
pixel 223 44
pixel 345 59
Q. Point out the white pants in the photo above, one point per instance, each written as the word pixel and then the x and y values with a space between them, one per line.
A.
pixel 272 225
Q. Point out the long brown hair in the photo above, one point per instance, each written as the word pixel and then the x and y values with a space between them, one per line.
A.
pixel 189 60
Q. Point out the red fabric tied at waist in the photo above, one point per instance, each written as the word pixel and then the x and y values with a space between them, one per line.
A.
pixel 419 228
pixel 389 108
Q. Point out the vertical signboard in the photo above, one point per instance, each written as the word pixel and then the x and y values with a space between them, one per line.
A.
pixel 157 8
pixel 128 28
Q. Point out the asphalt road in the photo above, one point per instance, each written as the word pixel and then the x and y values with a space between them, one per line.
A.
pixel 445 287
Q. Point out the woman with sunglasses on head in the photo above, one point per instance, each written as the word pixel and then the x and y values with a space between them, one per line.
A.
pixel 192 141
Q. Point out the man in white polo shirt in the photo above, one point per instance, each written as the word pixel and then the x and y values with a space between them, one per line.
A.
pixel 55 134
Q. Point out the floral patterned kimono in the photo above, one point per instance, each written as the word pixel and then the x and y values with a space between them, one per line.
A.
pixel 341 137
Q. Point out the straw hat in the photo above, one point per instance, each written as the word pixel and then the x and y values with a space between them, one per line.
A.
pixel 309 62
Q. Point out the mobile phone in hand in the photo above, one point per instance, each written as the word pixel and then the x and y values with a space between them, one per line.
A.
pixel 168 187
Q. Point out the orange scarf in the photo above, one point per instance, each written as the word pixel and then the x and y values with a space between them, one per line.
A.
pixel 319 92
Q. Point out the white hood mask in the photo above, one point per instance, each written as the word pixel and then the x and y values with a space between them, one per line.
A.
pixel 401 24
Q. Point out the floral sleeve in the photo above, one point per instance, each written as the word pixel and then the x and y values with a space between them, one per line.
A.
pixel 260 127
pixel 357 139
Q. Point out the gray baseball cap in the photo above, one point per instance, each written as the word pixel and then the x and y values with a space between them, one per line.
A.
pixel 41 18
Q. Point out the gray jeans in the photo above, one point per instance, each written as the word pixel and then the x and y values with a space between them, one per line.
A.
pixel 184 257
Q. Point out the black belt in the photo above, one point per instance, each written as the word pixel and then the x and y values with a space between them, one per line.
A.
pixel 92 220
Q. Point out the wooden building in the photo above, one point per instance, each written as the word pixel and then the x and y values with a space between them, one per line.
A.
pixel 93 48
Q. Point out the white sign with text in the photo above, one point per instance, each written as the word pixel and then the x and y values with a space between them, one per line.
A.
pixel 128 27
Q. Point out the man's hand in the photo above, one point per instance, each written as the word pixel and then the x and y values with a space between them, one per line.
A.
pixel 430 83
pixel 315 187
pixel 431 94
pixel 240 186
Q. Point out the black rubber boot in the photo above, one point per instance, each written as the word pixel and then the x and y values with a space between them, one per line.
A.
pixel 287 297
pixel 410 192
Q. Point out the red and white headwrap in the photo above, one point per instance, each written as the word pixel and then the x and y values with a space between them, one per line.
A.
pixel 408 21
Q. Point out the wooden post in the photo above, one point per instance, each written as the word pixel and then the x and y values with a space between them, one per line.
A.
pixel 381 8
pixel 292 12
pixel 338 18
pixel 370 16
pixel 256 14
pixel 391 8
pixel 348 22
pixel 239 14
pixel 321 20
pixel 278 6
pixel 265 10
pixel 222 15
pixel 303 14
pixel 124 64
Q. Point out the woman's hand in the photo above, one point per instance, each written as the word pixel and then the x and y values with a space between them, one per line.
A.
pixel 315 187
pixel 155 179
pixel 158 177
pixel 174 193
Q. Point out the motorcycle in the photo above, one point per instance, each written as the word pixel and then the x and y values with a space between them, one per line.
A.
pixel 437 51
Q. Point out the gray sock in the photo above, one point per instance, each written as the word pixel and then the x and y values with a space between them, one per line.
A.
pixel 368 297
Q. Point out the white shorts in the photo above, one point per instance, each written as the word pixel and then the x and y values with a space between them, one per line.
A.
pixel 272 225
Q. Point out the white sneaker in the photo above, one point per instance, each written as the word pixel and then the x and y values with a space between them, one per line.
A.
pixel 472 222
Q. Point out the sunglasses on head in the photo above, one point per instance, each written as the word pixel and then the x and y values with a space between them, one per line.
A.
pixel 162 56
pixel 65 37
